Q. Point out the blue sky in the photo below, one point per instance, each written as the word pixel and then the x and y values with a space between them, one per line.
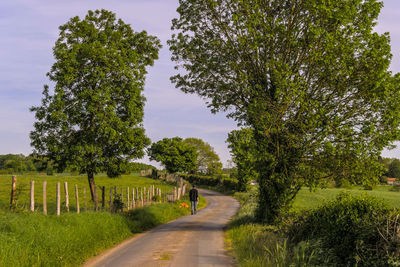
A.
pixel 29 28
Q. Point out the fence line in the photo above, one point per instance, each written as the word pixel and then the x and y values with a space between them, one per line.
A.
pixel 141 196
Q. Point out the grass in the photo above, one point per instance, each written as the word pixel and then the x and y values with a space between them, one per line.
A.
pixel 23 189
pixel 255 244
pixel 34 239
pixel 165 256
pixel 307 199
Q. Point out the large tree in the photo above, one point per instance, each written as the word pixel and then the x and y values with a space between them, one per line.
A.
pixel 242 147
pixel 309 77
pixel 208 161
pixel 174 154
pixel 94 118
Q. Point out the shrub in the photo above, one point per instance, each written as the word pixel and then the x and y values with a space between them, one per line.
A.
pixel 395 188
pixel 118 204
pixel 156 198
pixel 350 229
pixel 227 183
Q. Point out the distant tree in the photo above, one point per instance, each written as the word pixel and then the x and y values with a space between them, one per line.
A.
pixel 394 168
pixel 174 154
pixel 310 78
pixel 16 163
pixel 93 121
pixel 242 147
pixel 208 161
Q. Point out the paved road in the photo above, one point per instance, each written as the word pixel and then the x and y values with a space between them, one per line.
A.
pixel 189 241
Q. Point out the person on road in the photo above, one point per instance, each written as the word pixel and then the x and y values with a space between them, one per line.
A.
pixel 194 197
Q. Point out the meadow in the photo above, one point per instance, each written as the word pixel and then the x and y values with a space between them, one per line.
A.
pixel 23 189
pixel 307 199
pixel 34 239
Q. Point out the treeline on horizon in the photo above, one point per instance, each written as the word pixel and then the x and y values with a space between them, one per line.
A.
pixel 19 163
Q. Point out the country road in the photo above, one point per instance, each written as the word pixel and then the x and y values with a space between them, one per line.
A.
pixel 188 241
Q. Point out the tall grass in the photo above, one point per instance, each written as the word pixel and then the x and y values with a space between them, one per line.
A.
pixel 34 239
pixel 39 240
pixel 255 244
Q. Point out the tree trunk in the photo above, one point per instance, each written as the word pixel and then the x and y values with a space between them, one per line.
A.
pixel 91 184
pixel 277 179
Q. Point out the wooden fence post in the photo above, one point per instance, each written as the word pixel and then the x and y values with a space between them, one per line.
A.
pixel 77 199
pixel 175 196
pixel 141 196
pixel 111 198
pixel 66 196
pixel 103 197
pixel 127 198
pixel 45 197
pixel 84 197
pixel 58 199
pixel 179 193
pixel 95 199
pixel 133 198
pixel 13 188
pixel 32 195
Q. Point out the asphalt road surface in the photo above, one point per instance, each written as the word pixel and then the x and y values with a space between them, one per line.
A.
pixel 193 240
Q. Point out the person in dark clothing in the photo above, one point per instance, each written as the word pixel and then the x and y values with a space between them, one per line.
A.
pixel 194 198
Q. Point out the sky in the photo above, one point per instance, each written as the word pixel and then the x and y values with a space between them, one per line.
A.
pixel 29 29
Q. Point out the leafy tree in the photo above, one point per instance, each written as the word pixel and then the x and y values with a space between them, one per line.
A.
pixel 94 118
pixel 309 77
pixel 208 161
pixel 394 168
pixel 242 148
pixel 16 163
pixel 174 154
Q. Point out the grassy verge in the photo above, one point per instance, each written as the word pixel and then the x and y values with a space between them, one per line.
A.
pixel 33 239
pixel 255 244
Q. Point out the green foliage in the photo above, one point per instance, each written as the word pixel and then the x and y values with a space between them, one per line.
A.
pixel 350 230
pixel 208 161
pixel 17 163
pixel 394 168
pixel 137 167
pixel 118 204
pixel 257 245
pixel 156 198
pixel 310 78
pixel 174 154
pixel 242 148
pixel 93 121
pixel 227 184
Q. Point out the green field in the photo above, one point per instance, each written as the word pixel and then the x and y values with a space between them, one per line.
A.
pixel 307 199
pixel 34 239
pixel 23 189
